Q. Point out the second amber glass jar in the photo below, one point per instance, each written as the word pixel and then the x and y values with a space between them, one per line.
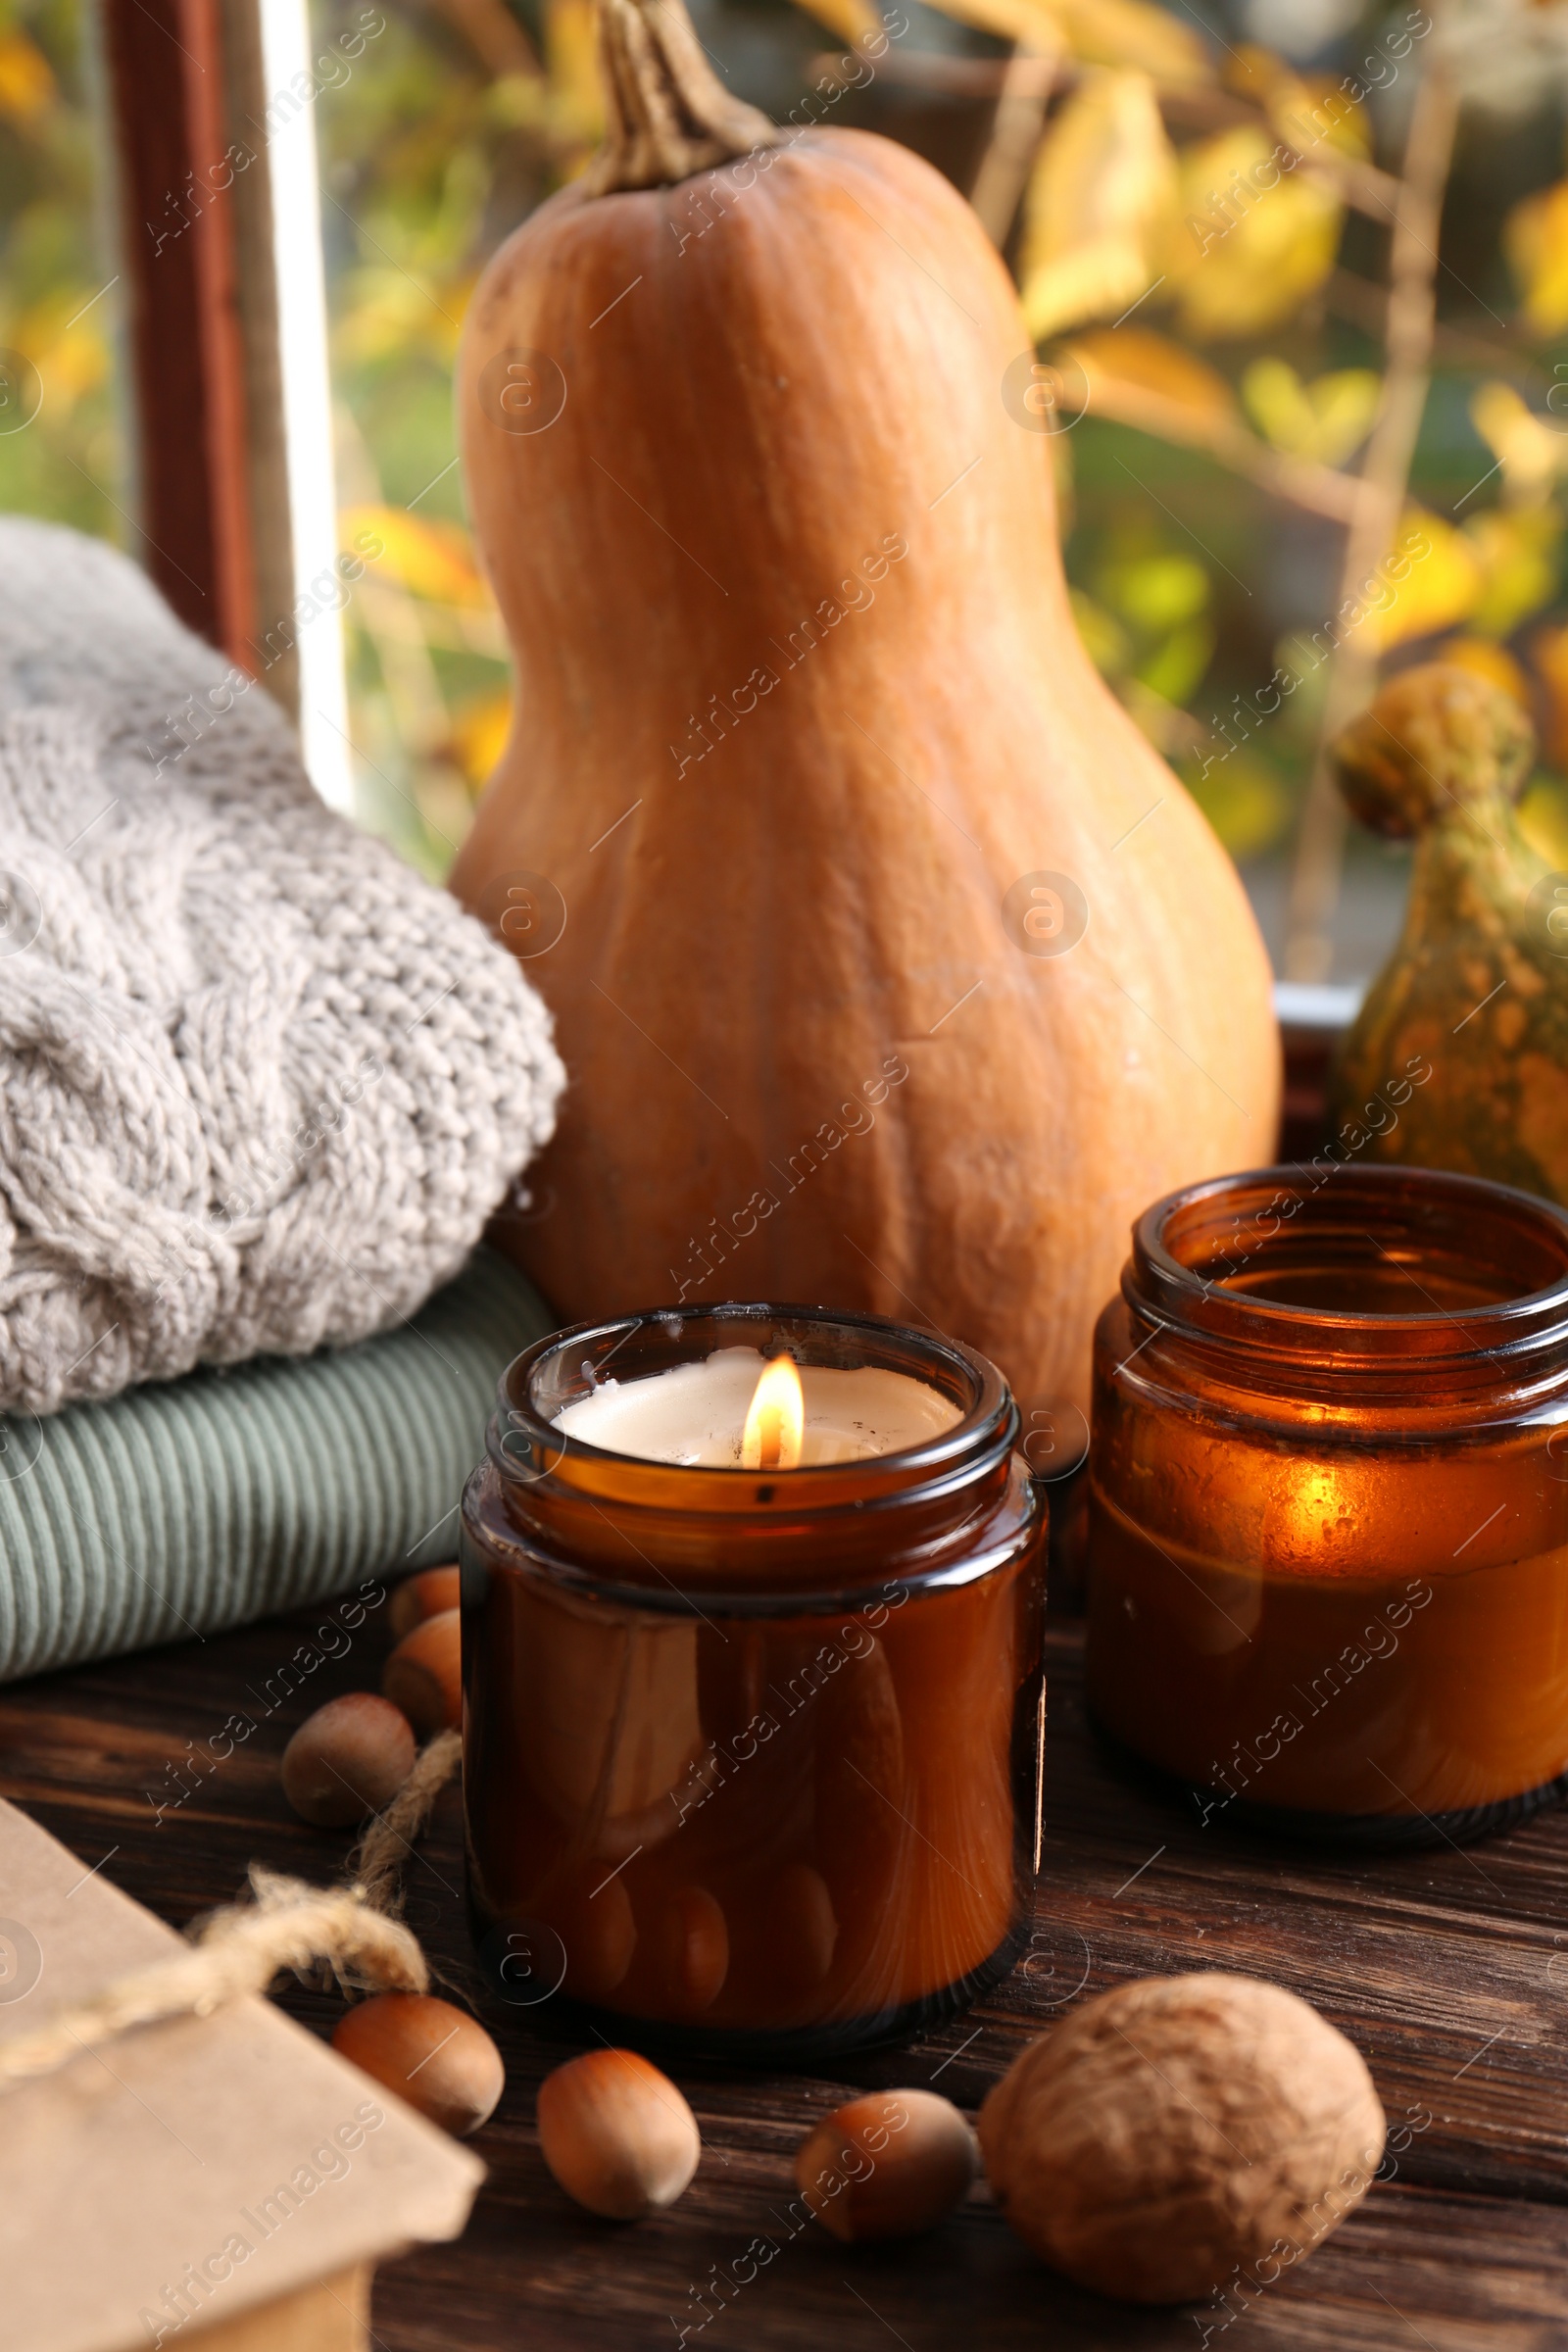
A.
pixel 751 1759
pixel 1328 1501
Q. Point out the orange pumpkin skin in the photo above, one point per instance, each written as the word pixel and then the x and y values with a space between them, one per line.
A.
pixel 809 1058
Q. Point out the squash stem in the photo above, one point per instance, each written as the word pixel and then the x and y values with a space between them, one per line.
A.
pixel 667 115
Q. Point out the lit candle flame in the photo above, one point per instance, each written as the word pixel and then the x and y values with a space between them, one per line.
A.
pixel 775 1424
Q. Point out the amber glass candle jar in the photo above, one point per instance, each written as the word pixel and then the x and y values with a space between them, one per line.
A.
pixel 1328 1501
pixel 750 1757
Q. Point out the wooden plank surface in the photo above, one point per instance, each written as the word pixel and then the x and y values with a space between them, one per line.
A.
pixel 1448 1969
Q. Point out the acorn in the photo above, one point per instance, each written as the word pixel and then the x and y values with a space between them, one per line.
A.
pixel 350 1758
pixel 438 2058
pixel 617 2134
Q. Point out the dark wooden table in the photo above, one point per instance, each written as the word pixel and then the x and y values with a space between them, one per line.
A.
pixel 1448 1969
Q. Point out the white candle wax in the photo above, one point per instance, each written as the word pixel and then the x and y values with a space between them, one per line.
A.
pixel 694 1413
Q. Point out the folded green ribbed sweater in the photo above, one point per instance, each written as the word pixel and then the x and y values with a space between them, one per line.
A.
pixel 186 1505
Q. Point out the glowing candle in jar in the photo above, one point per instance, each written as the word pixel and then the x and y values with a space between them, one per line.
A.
pixel 752 1636
pixel 1329 1530
pixel 731 1410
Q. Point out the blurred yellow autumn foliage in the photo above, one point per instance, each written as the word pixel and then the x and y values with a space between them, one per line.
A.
pixel 433 559
pixel 571 64
pixel 1236 230
pixel 61 280
pixel 1233 229
pixel 390 312
pixel 1327 418
pixel 851 20
pixel 1543 816
pixel 1307 112
pixel 479 736
pixel 1534 241
pixel 1491 573
pixel 1102 32
pixel 1439 589
pixel 1532 451
pixel 1516 553
pixel 68 351
pixel 1137 356
pixel 26 78
pixel 1314 114
pixel 1132 32
pixel 1487 660
pixel 1251 243
pixel 1097 206
pixel 1148 627
pixel 1243 799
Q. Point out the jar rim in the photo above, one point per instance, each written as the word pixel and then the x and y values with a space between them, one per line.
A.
pixel 1264 1216
pixel 526 1446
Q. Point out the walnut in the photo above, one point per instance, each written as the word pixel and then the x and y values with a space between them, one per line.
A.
pixel 1178 2129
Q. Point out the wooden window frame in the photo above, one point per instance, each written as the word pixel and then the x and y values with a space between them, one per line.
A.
pixel 229 526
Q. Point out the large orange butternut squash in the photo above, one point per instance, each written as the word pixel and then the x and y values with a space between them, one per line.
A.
pixel 897 971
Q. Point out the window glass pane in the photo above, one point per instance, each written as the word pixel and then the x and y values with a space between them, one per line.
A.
pixel 1203 497
pixel 429 157
pixel 62 444
pixel 456 120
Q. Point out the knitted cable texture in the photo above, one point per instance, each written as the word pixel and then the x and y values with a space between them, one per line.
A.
pixel 259 1084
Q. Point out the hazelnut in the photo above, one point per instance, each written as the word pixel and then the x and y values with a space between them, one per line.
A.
pixel 598 1934
pixel 424 1676
pixel 429 1593
pixel 350 1758
pixel 803 1931
pixel 692 1947
pixel 1178 2129
pixel 617 2134
pixel 438 2058
pixel 886 2165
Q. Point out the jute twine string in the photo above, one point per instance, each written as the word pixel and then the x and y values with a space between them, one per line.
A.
pixel 286 1925
pixel 375 1864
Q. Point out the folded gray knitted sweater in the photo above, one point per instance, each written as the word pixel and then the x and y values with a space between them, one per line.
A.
pixel 259 1084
